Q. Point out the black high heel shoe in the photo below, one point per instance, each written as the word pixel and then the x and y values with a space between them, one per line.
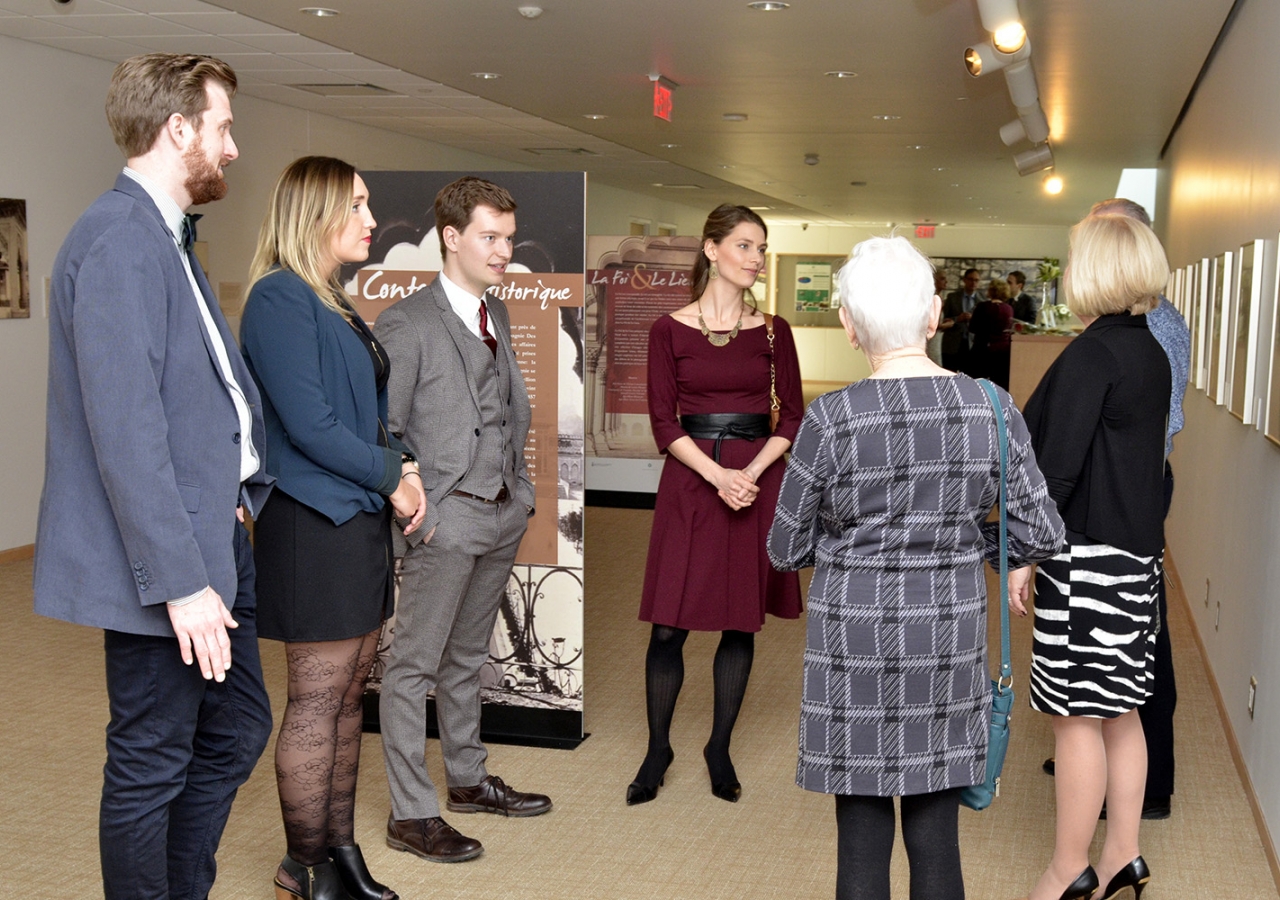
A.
pixel 639 792
pixel 1135 875
pixel 725 790
pixel 1083 887
pixel 353 872
pixel 314 882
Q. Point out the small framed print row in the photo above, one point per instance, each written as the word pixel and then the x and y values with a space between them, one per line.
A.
pixel 1232 306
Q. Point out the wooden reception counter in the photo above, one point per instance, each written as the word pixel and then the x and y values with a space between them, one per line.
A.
pixel 1029 358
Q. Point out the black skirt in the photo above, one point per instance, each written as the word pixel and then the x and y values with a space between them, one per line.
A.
pixel 318 581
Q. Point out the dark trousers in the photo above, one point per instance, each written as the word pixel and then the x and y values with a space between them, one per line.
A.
pixel 1157 712
pixel 178 748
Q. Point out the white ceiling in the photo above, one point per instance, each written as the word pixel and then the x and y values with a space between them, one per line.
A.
pixel 1113 75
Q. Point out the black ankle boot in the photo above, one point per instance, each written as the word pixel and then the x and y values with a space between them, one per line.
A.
pixel 314 882
pixel 355 875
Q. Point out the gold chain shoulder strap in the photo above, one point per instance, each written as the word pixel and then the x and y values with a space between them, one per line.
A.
pixel 775 406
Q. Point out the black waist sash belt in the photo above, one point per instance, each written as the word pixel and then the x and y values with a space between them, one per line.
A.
pixel 718 426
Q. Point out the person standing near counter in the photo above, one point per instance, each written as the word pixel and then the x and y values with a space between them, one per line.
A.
pixel 957 310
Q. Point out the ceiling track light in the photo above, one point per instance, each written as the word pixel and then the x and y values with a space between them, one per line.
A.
pixel 999 15
pixel 1031 125
pixel 1037 159
pixel 985 57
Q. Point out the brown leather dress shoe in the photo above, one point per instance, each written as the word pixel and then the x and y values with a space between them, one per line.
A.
pixel 432 839
pixel 493 796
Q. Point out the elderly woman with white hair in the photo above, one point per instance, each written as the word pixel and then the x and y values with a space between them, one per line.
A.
pixel 890 482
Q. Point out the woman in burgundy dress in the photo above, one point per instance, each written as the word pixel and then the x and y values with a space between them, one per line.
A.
pixel 711 365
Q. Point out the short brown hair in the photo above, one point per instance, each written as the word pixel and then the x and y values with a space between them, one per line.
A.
pixel 146 90
pixel 1116 265
pixel 457 200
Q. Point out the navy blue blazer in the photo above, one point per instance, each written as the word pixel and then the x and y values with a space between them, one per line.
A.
pixel 142 454
pixel 322 407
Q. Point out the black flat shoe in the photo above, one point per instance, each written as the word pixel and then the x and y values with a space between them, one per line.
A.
pixel 349 862
pixel 726 790
pixel 314 882
pixel 640 792
pixel 1135 875
pixel 1082 887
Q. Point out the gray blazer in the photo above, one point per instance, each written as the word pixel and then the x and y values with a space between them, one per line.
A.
pixel 142 455
pixel 432 402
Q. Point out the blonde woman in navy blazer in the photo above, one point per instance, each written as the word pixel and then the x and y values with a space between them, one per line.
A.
pixel 323 541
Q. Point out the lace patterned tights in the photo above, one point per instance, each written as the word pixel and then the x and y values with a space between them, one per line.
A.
pixel 318 749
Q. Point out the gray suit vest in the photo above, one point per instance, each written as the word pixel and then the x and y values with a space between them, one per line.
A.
pixel 492 466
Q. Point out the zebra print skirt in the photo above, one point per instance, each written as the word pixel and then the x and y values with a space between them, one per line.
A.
pixel 1096 619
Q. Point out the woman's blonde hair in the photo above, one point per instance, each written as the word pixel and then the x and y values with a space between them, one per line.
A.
pixel 1115 265
pixel 309 205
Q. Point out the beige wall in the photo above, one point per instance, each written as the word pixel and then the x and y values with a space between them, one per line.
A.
pixel 1220 186
pixel 58 155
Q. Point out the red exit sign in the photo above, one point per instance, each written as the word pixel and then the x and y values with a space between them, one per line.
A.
pixel 924 231
pixel 662 101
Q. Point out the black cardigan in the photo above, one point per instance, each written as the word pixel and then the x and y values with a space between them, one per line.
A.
pixel 1097 422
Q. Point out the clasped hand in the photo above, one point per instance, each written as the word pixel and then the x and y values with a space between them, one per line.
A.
pixel 409 501
pixel 736 487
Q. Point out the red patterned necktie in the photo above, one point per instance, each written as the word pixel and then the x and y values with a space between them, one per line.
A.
pixel 489 340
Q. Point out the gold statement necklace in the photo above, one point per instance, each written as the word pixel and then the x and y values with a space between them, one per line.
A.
pixel 718 340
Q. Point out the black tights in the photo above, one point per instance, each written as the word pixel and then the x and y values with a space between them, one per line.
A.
pixel 930 830
pixel 318 749
pixel 664 675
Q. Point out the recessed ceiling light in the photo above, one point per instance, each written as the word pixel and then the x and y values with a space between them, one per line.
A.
pixel 939 168
pixel 322 12
pixel 594 116
pixel 956 184
pixel 485 76
pixel 885 118
pixel 723 166
pixel 759 208
pixel 678 187
pixel 734 117
pixel 766 182
pixel 801 196
pixel 668 146
pixel 915 146
pixel 840 73
pixel 529 12
pixel 768 5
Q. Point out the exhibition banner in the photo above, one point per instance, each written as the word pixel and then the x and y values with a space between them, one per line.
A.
pixel 532 683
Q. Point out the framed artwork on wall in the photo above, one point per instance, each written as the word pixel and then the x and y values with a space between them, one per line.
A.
pixel 1219 322
pixel 1271 348
pixel 1242 348
pixel 1189 313
pixel 1202 322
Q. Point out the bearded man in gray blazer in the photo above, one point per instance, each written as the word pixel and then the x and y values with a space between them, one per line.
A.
pixel 457 399
pixel 154 439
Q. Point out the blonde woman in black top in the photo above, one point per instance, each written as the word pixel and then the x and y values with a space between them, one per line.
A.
pixel 1097 424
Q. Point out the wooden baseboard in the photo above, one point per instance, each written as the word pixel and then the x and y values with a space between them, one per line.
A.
pixel 17 553
pixel 1259 818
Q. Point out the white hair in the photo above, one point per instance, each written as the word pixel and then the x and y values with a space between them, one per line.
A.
pixel 886 289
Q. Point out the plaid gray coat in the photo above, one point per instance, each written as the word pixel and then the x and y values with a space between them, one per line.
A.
pixel 886 493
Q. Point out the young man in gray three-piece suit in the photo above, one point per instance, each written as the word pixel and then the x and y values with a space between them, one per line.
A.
pixel 458 400
pixel 154 440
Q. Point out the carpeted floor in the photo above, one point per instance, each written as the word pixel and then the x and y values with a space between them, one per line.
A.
pixel 779 841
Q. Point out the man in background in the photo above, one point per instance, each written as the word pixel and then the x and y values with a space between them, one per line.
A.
pixel 153 429
pixel 1025 306
pixel 957 310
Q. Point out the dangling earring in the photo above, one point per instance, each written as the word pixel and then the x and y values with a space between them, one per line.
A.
pixel 713 273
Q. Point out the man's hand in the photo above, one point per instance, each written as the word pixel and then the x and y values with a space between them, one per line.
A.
pixel 201 626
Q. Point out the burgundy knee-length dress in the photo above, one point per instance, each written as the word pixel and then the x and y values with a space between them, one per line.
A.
pixel 708 569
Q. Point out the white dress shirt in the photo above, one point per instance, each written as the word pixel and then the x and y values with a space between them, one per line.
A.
pixel 465 305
